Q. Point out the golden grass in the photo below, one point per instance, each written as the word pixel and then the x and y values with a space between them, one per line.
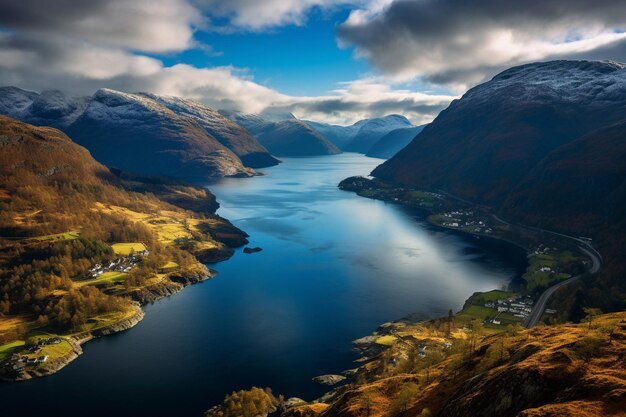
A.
pixel 126 249
pixel 58 237
pixel 108 278
pixel 168 225
pixel 8 323
pixel 387 340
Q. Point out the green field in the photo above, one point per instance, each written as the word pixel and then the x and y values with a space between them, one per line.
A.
pixel 58 236
pixel 555 261
pixel 493 295
pixel 6 351
pixel 126 249
pixel 108 278
pixel 477 309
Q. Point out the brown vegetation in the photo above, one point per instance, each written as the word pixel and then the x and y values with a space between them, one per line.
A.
pixel 51 187
pixel 561 370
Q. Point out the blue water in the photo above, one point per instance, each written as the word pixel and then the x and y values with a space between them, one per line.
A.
pixel 333 267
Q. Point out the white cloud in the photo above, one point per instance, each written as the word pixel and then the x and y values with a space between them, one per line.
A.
pixel 460 43
pixel 366 98
pixel 101 44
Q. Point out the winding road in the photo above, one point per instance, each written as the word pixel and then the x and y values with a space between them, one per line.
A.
pixel 540 306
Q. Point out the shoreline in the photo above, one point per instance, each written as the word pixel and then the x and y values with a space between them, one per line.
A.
pixel 368 346
pixel 142 296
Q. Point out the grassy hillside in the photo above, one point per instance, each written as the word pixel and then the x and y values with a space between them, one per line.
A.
pixel 79 245
pixel 451 367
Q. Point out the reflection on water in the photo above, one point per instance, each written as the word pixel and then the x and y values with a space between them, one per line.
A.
pixel 333 267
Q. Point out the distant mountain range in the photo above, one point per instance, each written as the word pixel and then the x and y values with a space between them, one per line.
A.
pixel 544 144
pixel 393 142
pixel 364 136
pixel 145 133
pixel 283 134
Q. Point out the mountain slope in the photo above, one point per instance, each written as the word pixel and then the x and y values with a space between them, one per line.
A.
pixel 484 144
pixel 561 370
pixel 295 138
pixel 229 134
pixel 78 244
pixel 289 137
pixel 372 130
pixel 136 133
pixel 585 178
pixel 543 144
pixel 53 108
pixel 393 142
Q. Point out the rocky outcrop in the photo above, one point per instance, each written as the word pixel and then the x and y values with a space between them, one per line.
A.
pixel 329 379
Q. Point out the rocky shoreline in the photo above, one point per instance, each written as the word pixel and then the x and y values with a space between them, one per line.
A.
pixel 169 286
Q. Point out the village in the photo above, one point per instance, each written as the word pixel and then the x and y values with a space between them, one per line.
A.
pixel 122 264
pixel 465 220
pixel 518 307
pixel 33 356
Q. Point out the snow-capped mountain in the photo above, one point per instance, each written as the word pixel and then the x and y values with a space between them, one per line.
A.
pixel 372 130
pixel 137 133
pixel 111 110
pixel 527 132
pixel 228 133
pixel 362 135
pixel 50 108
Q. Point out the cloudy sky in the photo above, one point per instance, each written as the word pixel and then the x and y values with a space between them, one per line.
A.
pixel 329 60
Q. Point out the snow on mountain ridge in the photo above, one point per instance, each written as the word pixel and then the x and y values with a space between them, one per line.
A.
pixel 583 81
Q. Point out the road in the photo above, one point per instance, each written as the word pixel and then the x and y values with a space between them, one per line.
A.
pixel 540 306
pixel 585 246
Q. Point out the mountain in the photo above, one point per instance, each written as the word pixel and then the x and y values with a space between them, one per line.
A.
pixel 372 130
pixel 80 245
pixel 295 138
pixel 50 108
pixel 393 142
pixel 136 133
pixel 486 143
pixel 228 133
pixel 543 144
pixel 341 136
pixel 362 135
pixel 289 137
pixel 210 156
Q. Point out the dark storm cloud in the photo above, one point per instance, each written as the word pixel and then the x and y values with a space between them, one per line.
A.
pixel 159 25
pixel 461 41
